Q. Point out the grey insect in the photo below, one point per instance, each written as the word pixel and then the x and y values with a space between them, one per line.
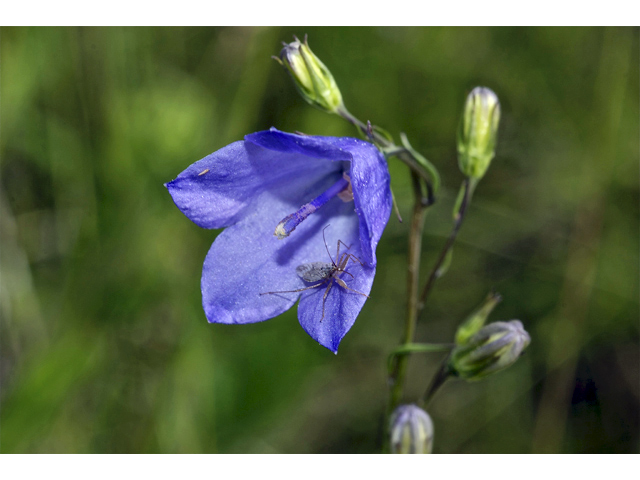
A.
pixel 326 273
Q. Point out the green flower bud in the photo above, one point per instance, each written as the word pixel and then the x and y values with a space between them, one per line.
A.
pixel 475 321
pixel 411 430
pixel 478 132
pixel 312 79
pixel 494 347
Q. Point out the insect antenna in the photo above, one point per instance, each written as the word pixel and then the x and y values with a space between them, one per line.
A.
pixel 325 246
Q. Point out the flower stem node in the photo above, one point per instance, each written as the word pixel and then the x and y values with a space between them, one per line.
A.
pixel 411 430
pixel 493 348
pixel 478 132
pixel 311 77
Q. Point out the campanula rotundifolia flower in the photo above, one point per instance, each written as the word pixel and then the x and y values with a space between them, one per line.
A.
pixel 279 197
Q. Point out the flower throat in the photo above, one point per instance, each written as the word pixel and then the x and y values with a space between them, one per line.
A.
pixel 342 189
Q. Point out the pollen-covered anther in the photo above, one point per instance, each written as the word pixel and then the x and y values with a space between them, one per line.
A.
pixel 289 223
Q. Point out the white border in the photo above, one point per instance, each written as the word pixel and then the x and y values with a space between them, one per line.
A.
pixel 317 467
pixel 319 13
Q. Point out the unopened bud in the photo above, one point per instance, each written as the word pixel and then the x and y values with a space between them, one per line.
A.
pixel 478 132
pixel 312 79
pixel 411 430
pixel 475 321
pixel 493 348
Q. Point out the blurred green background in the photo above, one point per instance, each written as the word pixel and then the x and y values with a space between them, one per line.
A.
pixel 104 344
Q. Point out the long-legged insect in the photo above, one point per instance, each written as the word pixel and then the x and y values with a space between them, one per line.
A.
pixel 326 272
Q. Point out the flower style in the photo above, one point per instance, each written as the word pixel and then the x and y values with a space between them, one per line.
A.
pixel 277 194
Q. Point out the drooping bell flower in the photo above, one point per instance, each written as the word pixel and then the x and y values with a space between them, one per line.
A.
pixel 280 197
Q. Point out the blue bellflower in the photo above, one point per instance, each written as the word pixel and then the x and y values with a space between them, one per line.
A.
pixel 279 196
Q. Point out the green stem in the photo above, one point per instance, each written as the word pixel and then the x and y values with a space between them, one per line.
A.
pixel 411 348
pixel 399 370
pixel 469 185
pixel 444 373
pixel 397 377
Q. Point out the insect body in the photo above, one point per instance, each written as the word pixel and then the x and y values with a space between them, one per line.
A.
pixel 326 273
pixel 314 271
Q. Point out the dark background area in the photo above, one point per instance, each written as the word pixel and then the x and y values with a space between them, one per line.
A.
pixel 104 344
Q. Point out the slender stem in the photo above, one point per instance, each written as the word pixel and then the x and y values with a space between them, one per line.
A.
pixel 469 185
pixel 398 374
pixel 411 348
pixel 379 139
pixel 438 380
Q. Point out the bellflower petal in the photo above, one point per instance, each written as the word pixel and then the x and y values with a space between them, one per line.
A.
pixel 216 191
pixel 249 275
pixel 369 176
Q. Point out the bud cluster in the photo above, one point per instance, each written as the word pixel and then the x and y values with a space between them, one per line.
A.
pixel 476 320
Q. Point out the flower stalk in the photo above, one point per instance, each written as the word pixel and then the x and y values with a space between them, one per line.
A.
pixel 411 348
pixel 468 186
pixel 398 374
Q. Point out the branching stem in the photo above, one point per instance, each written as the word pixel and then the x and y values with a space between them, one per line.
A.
pixel 469 186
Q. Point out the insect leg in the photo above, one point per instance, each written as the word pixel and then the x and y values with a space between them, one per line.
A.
pixel 338 250
pixel 324 299
pixel 341 242
pixel 344 285
pixel 354 258
pixel 348 273
pixel 299 290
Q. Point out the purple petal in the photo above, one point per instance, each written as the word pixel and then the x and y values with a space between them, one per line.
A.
pixel 247 259
pixel 341 307
pixel 307 145
pixel 369 176
pixel 250 187
pixel 370 182
pixel 218 190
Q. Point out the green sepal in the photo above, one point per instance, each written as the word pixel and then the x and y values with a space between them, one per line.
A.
pixel 474 322
pixel 431 169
